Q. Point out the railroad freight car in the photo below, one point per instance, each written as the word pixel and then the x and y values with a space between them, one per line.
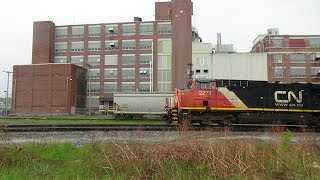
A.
pixel 226 101
pixel 129 106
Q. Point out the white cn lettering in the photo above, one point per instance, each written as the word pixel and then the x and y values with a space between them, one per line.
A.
pixel 291 96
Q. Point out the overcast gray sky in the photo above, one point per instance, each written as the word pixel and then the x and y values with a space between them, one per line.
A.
pixel 239 21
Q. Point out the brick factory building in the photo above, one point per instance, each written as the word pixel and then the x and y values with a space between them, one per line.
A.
pixel 145 56
pixel 48 89
pixel 138 56
pixel 290 58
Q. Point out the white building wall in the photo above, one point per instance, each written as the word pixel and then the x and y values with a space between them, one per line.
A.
pixel 239 66
pixel 235 66
pixel 201 58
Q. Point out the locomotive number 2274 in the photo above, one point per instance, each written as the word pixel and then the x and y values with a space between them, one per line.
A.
pixel 204 93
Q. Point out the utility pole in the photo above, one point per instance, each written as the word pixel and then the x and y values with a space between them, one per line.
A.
pixel 67 93
pixel 89 78
pixel 6 101
pixel 151 68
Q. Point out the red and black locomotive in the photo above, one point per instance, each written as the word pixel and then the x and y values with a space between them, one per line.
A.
pixel 225 101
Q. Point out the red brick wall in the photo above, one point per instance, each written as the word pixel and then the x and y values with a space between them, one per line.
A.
pixel 296 43
pixel 43 42
pixel 42 89
pixel 181 42
pixel 163 11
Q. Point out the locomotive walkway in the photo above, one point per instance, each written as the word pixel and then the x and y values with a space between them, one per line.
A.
pixel 103 127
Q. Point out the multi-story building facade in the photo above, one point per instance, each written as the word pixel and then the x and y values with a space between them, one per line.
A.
pixel 291 58
pixel 138 56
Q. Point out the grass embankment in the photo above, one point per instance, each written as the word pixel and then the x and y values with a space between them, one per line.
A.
pixel 184 159
pixel 73 120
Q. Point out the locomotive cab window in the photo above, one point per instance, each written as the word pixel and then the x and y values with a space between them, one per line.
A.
pixel 204 85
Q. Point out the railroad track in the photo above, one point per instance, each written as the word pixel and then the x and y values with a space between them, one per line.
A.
pixel 103 127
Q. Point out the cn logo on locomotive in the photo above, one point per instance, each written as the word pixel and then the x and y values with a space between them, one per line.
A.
pixel 290 97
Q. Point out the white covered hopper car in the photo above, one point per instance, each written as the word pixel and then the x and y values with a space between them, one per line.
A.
pixel 129 106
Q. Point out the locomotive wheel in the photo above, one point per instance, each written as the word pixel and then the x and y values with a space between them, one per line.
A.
pixel 315 122
pixel 139 117
pixel 127 116
pixel 225 122
pixel 203 124
pixel 118 117
pixel 168 121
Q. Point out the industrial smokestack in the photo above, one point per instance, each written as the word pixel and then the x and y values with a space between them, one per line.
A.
pixel 219 39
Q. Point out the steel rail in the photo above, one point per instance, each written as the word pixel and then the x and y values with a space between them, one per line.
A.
pixel 117 127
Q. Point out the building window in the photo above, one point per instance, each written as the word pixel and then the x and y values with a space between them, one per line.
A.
pixel 277 58
pixel 77 46
pixel 128 87
pixel 164 72
pixel 61 32
pixel 164 61
pixel 145 58
pixel 277 42
pixel 315 57
pixel 198 71
pixel 315 71
pixel 110 87
pixel 111 73
pixel 94 45
pixel 94 31
pixel 128 45
pixel 144 73
pixel 297 72
pixel 297 58
pixel 164 46
pixel 111 45
pixel 315 43
pixel 60 59
pixel 278 72
pixel 93 73
pixel 94 60
pixel 77 60
pixel 111 60
pixel 146 44
pixel 111 30
pixel 146 28
pixel 144 87
pixel 206 71
pixel 164 87
pixel 164 28
pixel 128 59
pixel 94 101
pixel 128 73
pixel 94 87
pixel 61 47
pixel 77 31
pixel 165 75
pixel 128 29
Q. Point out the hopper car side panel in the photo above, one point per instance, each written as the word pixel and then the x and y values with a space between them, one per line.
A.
pixel 126 106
